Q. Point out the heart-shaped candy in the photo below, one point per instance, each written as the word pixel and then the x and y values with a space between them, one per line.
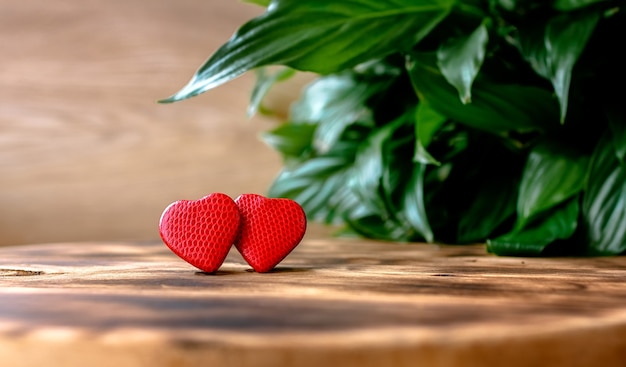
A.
pixel 270 229
pixel 202 231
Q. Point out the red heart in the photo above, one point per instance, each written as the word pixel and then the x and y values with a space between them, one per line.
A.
pixel 201 232
pixel 270 229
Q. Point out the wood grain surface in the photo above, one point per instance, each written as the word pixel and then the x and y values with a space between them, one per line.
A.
pixel 86 153
pixel 330 303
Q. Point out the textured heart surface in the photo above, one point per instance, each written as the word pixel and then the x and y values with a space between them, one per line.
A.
pixel 270 229
pixel 202 231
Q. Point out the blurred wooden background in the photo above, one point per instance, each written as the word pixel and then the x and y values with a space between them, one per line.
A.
pixel 86 153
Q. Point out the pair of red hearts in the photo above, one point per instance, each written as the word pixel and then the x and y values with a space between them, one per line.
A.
pixel 202 232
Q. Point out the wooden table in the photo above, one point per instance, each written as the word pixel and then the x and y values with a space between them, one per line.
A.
pixel 331 302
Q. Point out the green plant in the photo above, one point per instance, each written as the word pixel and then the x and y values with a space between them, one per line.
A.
pixel 456 121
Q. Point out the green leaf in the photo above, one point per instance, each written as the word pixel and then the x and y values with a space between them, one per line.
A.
pixel 265 81
pixel 290 139
pixel 335 102
pixel 322 36
pixel 493 203
pixel 427 123
pixel 264 3
pixel 319 184
pixel 568 5
pixel 368 170
pixel 495 108
pixel 614 112
pixel 519 6
pixel 559 224
pixel 477 193
pixel 509 5
pixel 403 184
pixel 604 202
pixel 372 226
pixel 413 208
pixel 553 173
pixel 553 52
pixel 461 59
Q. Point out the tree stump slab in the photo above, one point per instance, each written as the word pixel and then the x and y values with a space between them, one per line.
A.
pixel 343 302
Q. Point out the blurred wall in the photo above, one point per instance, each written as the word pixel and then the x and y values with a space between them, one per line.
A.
pixel 85 151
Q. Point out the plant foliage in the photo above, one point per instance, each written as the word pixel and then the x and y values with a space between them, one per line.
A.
pixel 457 121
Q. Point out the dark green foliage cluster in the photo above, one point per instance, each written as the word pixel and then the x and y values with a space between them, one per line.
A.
pixel 457 121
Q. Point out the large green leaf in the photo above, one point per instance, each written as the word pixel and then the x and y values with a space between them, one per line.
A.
pixel 413 209
pixel 604 204
pixel 553 51
pixel 558 224
pixel 366 180
pixel 567 5
pixel 514 5
pixel 266 79
pixel 427 122
pixel 553 173
pixel 333 103
pixel 614 111
pixel 493 203
pixel 473 197
pixel 259 2
pixel 403 183
pixel 460 60
pixel 319 185
pixel 495 108
pixel 373 226
pixel 292 140
pixel 322 36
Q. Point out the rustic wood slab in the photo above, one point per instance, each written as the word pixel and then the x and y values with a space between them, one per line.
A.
pixel 331 302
